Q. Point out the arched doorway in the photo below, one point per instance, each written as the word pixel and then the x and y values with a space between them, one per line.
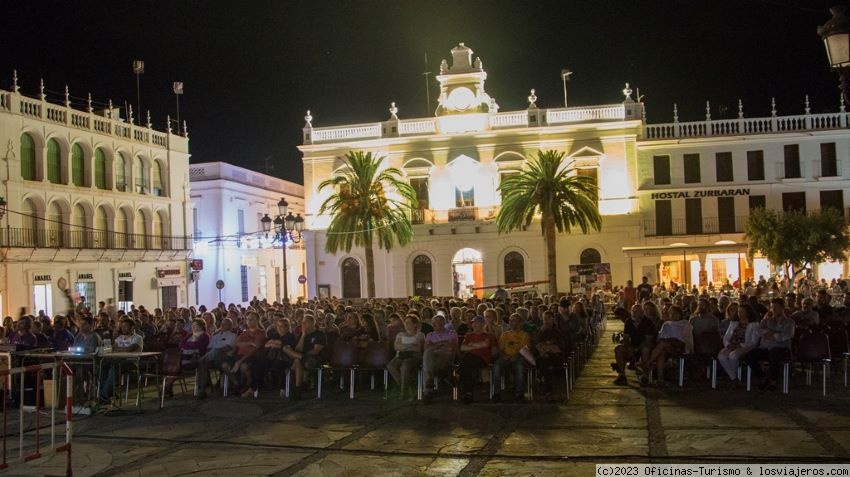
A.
pixel 467 273
pixel 422 281
pixel 350 278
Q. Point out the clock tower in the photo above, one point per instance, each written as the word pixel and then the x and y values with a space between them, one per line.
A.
pixel 463 104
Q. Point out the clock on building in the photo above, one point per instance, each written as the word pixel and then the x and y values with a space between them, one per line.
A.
pixel 461 99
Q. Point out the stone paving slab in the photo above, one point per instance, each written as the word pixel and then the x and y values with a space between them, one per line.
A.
pixel 577 442
pixel 529 468
pixel 678 417
pixel 382 466
pixel 761 443
pixel 571 415
pixel 218 462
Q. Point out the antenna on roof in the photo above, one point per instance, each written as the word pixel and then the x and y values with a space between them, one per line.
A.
pixel 427 92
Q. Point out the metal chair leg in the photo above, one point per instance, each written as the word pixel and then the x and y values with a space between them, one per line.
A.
pixel 681 371
pixel 351 384
pixel 319 384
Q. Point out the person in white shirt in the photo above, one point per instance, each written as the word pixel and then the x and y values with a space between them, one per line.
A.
pixel 741 337
pixel 222 345
pixel 127 341
pixel 675 338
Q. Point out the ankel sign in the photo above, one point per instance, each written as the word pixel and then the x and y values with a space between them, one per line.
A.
pixel 688 194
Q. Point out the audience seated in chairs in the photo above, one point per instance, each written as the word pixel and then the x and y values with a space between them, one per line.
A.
pixel 222 346
pixel 440 352
pixel 476 354
pixel 271 358
pixel 675 338
pixel 192 347
pixel 741 337
pixel 776 333
pixel 637 342
pixel 404 366
pixel 248 343
pixel 307 354
pixel 510 344
pixel 550 348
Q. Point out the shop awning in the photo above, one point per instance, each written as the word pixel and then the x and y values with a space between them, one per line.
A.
pixel 681 249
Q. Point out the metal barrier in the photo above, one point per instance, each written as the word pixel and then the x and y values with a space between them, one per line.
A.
pixel 6 376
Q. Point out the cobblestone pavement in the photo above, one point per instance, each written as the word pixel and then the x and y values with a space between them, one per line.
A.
pixel 376 437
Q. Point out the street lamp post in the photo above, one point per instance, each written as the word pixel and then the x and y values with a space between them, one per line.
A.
pixel 287 228
pixel 836 38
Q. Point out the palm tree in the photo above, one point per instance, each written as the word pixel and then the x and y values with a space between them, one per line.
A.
pixel 563 199
pixel 361 210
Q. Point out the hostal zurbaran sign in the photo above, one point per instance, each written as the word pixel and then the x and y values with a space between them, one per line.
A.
pixel 689 194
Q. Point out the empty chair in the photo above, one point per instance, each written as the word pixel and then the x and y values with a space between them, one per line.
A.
pixel 343 357
pixel 375 358
pixel 813 348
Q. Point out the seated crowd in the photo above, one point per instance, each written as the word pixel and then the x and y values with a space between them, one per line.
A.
pixel 760 327
pixel 257 345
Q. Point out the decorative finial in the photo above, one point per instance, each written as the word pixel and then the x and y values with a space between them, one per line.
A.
pixel 627 92
pixel 130 113
pixel 675 113
pixel 67 97
pixel 88 103
pixel 841 107
pixel 309 119
pixel 773 107
pixel 149 119
pixel 740 109
pixel 41 89
pixel 494 106
pixel 444 66
pixel 707 111
pixel 168 123
pixel 185 129
pixel 532 99
pixel 393 110
pixel 478 64
pixel 807 109
pixel 110 109
pixel 15 87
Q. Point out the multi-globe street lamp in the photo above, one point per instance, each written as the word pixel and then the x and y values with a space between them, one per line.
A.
pixel 287 228
pixel 836 38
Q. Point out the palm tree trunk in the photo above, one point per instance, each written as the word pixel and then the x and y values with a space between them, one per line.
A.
pixel 370 270
pixel 551 261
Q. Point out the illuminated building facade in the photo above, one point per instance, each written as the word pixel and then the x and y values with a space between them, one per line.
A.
pixel 673 197
pixel 96 204
pixel 228 204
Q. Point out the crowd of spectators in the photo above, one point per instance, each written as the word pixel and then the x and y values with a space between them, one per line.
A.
pixel 752 325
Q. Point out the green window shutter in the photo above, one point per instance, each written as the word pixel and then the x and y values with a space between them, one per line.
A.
pixel 77 171
pixel 99 169
pixel 54 162
pixel 120 175
pixel 27 157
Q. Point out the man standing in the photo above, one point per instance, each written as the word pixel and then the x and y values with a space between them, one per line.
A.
pixel 644 290
pixel 629 295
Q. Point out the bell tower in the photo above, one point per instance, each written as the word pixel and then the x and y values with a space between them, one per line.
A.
pixel 462 93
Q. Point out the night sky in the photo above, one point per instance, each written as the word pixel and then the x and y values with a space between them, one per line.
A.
pixel 251 69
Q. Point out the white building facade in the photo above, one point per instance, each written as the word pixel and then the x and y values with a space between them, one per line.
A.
pixel 228 204
pixel 673 197
pixel 97 205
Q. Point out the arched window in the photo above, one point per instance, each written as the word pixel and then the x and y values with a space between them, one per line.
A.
pixel 30 225
pixel 54 162
pixel 100 234
pixel 156 178
pixel 422 281
pixel 27 158
pixel 121 229
pixel 350 278
pixel 514 268
pixel 54 225
pixel 120 172
pixel 99 169
pixel 139 230
pixel 78 171
pixel 139 175
pixel 156 235
pixel 79 232
pixel 590 256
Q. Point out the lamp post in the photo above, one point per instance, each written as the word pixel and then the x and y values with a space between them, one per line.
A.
pixel 287 228
pixel 836 38
pixel 565 75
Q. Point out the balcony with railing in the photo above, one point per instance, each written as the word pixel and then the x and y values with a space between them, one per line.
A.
pixel 693 226
pixel 86 239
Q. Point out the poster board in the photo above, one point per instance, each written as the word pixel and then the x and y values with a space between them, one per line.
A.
pixel 589 277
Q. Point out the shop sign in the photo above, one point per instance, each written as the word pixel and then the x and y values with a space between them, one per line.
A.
pixel 688 194
pixel 42 279
pixel 168 272
pixel 85 277
pixel 125 275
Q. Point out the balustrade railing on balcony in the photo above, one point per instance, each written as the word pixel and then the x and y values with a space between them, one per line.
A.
pixel 694 226
pixel 417 216
pixel 82 239
pixel 463 214
pixel 729 127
